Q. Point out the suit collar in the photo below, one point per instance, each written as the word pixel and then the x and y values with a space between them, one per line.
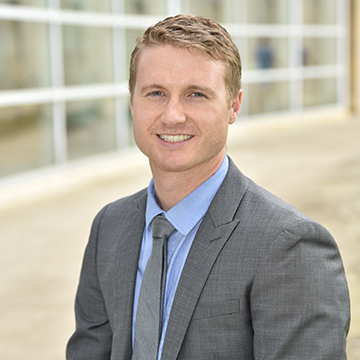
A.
pixel 227 200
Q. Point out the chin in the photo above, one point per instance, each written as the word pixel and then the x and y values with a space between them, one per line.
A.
pixel 172 165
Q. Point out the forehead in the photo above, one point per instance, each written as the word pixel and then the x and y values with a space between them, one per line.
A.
pixel 169 62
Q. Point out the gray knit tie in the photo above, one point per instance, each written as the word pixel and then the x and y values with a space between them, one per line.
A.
pixel 150 305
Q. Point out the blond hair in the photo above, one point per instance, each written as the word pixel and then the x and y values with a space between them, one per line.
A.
pixel 190 31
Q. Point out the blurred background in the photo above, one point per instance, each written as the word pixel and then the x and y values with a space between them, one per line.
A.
pixel 66 145
pixel 64 68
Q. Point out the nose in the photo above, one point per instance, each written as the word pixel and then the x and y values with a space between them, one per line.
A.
pixel 174 112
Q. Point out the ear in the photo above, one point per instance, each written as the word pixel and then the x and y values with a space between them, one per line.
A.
pixel 235 107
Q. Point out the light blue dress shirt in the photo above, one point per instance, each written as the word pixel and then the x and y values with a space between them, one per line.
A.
pixel 186 217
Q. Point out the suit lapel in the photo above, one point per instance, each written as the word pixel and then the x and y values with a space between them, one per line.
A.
pixel 215 230
pixel 129 233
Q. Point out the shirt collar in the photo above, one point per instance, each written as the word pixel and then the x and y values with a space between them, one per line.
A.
pixel 189 211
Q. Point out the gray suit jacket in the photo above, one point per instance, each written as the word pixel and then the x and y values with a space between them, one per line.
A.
pixel 262 281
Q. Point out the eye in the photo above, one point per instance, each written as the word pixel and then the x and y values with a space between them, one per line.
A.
pixel 156 93
pixel 197 95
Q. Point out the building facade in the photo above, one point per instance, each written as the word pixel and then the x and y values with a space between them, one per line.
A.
pixel 64 68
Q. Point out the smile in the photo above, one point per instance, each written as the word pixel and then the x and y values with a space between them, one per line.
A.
pixel 175 138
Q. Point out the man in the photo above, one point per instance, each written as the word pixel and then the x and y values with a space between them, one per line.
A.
pixel 247 275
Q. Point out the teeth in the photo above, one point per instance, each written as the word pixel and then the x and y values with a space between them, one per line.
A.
pixel 175 138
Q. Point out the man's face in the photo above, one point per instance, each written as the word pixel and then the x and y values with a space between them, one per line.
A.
pixel 181 109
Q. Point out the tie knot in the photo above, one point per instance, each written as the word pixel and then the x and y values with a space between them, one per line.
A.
pixel 162 227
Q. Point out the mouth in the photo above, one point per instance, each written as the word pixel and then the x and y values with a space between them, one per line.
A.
pixel 175 138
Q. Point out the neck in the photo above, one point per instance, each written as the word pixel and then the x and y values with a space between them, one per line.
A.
pixel 172 187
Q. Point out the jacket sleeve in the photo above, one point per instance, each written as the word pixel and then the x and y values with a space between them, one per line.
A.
pixel 93 335
pixel 300 303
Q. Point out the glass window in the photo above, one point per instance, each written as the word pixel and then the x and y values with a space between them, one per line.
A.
pixel 318 92
pixel 267 97
pixel 25 2
pixel 241 44
pixel 131 36
pixel 87 55
pixel 23 55
pixel 267 11
pixel 125 125
pixel 90 127
pixel 218 10
pixel 145 7
pixel 265 53
pixel 25 138
pixel 86 5
pixel 319 51
pixel 319 11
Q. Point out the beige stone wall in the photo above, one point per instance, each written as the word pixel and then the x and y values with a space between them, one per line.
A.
pixel 355 56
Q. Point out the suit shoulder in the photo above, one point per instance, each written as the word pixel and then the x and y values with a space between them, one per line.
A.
pixel 264 202
pixel 123 206
pixel 267 222
pixel 270 216
pixel 129 200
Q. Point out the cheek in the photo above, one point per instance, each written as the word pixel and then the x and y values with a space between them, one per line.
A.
pixel 138 128
pixel 220 133
pixel 219 125
pixel 137 136
pixel 140 119
pixel 143 129
pixel 216 136
pixel 141 141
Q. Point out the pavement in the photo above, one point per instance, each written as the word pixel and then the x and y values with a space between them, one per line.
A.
pixel 314 167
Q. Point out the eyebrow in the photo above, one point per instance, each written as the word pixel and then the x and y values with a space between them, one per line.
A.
pixel 147 88
pixel 199 88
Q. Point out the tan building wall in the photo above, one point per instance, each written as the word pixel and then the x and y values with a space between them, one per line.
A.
pixel 355 56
